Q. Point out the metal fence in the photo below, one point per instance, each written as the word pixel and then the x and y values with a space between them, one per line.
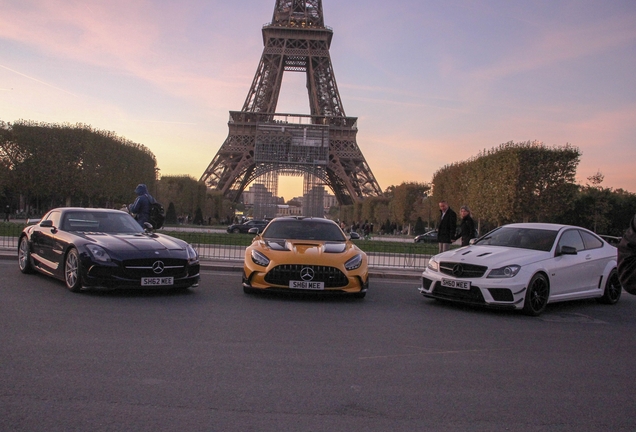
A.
pixel 231 247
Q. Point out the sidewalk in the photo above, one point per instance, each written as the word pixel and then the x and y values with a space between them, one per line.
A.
pixel 237 266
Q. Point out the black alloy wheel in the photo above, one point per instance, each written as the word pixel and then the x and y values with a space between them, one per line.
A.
pixel 613 289
pixel 72 271
pixel 537 295
pixel 24 256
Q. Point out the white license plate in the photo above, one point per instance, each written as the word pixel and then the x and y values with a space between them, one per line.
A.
pixel 465 285
pixel 157 281
pixel 307 285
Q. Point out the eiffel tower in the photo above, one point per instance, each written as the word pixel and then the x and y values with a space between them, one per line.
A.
pixel 262 144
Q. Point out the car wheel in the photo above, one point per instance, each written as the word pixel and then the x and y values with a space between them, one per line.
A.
pixel 537 295
pixel 236 230
pixel 613 289
pixel 72 271
pixel 360 295
pixel 24 256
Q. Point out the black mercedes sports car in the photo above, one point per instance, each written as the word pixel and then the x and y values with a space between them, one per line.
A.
pixel 107 249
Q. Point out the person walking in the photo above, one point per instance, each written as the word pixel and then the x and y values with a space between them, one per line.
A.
pixel 141 207
pixel 447 226
pixel 466 227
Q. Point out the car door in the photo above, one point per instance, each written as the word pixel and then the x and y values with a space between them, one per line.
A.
pixel 570 273
pixel 45 244
pixel 597 259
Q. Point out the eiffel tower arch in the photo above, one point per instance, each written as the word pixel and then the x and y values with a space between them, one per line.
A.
pixel 320 146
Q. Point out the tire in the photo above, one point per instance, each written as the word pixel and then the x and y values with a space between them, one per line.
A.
pixel 613 289
pixel 24 256
pixel 537 295
pixel 73 271
pixel 360 295
pixel 236 230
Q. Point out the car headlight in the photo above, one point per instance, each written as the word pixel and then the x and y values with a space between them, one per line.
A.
pixel 259 258
pixel 433 265
pixel 354 262
pixel 193 255
pixel 98 253
pixel 505 272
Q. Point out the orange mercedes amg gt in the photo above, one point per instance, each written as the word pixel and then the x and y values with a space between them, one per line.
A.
pixel 296 254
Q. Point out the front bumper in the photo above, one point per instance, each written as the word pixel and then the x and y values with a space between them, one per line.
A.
pixel 255 280
pixel 493 293
pixel 113 276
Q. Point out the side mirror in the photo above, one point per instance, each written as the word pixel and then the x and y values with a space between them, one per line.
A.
pixel 567 250
pixel 46 224
pixel 354 235
pixel 148 227
pixel 472 241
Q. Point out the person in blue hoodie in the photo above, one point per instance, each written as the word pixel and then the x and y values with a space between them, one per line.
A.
pixel 141 207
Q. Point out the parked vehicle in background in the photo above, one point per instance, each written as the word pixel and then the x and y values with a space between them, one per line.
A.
pixel 428 237
pixel 526 266
pixel 105 248
pixel 305 255
pixel 243 228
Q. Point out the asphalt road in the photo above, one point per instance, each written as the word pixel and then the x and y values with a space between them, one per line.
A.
pixel 216 359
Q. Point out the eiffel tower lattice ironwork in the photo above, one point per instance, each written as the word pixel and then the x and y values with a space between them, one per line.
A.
pixel 321 144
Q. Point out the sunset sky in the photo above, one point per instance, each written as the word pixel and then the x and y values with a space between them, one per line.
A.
pixel 431 82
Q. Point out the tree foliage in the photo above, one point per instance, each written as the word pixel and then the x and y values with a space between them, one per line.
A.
pixel 53 165
pixel 512 183
pixel 171 214
pixel 187 195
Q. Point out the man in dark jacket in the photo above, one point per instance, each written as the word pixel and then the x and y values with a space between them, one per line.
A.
pixel 141 207
pixel 627 259
pixel 447 226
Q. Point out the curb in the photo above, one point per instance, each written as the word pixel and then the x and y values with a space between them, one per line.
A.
pixel 237 266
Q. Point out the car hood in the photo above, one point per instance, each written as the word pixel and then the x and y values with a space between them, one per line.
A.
pixel 139 242
pixel 305 250
pixel 493 256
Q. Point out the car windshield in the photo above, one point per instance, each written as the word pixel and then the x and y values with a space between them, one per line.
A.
pixel 107 222
pixel 524 238
pixel 303 230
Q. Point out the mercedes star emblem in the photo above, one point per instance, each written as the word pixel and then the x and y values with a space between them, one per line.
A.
pixel 458 270
pixel 306 273
pixel 157 267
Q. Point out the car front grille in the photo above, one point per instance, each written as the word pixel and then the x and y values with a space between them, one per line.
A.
pixel 282 274
pixel 461 270
pixel 469 296
pixel 139 268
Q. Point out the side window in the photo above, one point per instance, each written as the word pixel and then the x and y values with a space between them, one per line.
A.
pixel 55 217
pixel 572 238
pixel 591 242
